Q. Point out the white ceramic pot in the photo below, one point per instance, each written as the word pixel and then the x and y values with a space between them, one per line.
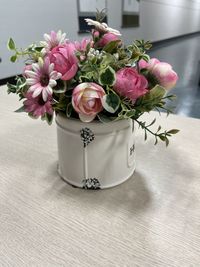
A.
pixel 95 155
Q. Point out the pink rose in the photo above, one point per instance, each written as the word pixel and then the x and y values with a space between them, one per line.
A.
pixel 107 38
pixel 130 83
pixel 65 60
pixel 162 71
pixel 86 100
pixel 148 65
pixel 165 75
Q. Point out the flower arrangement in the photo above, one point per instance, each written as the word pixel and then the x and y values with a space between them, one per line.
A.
pixel 98 78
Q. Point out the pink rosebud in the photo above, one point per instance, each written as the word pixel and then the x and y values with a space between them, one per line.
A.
pixel 107 38
pixel 95 33
pixel 148 65
pixel 86 100
pixel 165 75
pixel 65 60
pixel 130 83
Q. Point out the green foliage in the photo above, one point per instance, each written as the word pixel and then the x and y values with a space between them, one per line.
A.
pixel 100 15
pixel 19 110
pixel 19 87
pixel 151 100
pixel 163 136
pixel 112 46
pixel 107 76
pixel 11 44
pixel 111 102
pixel 46 117
pixel 13 58
pixel 61 87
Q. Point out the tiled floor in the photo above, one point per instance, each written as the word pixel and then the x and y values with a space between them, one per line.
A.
pixel 184 56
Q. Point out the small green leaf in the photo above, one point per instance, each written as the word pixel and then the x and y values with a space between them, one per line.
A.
pixel 111 102
pixel 61 87
pixel 111 46
pixel 107 76
pixel 38 48
pixel 11 88
pixel 69 110
pixel 13 58
pixel 22 109
pixel 145 135
pixel 128 114
pixel 162 137
pixel 159 128
pixel 49 118
pixel 103 118
pixel 11 44
pixel 173 131
pixel 154 120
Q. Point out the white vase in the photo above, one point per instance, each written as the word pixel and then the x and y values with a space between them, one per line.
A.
pixel 95 155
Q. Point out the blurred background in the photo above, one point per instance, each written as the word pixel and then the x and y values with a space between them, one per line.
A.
pixel 172 25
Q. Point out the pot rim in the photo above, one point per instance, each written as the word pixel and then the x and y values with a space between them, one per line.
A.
pixel 74 125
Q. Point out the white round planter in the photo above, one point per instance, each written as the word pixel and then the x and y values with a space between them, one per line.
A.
pixel 95 155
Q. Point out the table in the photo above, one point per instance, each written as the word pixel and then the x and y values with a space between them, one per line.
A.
pixel 153 219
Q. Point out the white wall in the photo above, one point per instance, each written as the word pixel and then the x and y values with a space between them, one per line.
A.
pixel 26 21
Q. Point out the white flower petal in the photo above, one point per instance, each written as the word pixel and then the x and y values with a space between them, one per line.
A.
pixel 52 82
pixel 47 37
pixel 44 95
pixel 35 67
pixel 31 74
pixel 49 90
pixel 51 68
pixel 37 92
pixel 31 81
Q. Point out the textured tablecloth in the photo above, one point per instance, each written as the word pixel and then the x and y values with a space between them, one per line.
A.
pixel 153 219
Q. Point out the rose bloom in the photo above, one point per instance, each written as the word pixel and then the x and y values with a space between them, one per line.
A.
pixel 162 71
pixel 65 60
pixel 86 100
pixel 148 65
pixel 130 84
pixel 107 38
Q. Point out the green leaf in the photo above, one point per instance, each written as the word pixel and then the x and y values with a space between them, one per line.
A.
pixel 61 87
pixel 173 131
pixel 11 88
pixel 38 48
pixel 107 76
pixel 13 58
pixel 111 102
pixel 103 118
pixel 22 109
pixel 129 114
pixel 159 128
pixel 157 92
pixel 49 118
pixel 151 100
pixel 69 110
pixel 154 120
pixel 11 44
pixel 111 46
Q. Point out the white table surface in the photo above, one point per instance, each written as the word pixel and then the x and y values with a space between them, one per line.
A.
pixel 153 219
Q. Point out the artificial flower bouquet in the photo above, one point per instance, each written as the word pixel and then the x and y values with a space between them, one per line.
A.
pixel 98 78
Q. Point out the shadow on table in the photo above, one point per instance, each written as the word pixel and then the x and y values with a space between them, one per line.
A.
pixel 132 195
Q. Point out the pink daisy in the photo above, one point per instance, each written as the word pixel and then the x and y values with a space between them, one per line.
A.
pixel 42 78
pixel 52 40
pixel 36 105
